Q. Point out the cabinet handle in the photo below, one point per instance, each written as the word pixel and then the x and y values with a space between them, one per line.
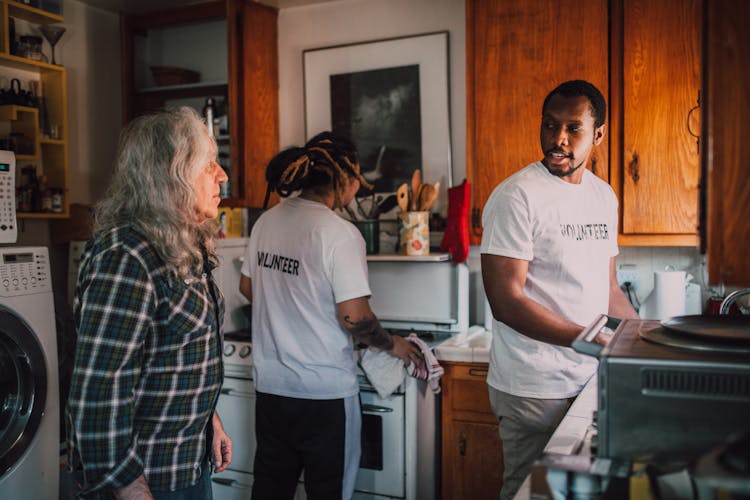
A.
pixel 593 165
pixel 690 130
pixel 462 444
pixel 476 221
pixel 634 167
pixel 477 372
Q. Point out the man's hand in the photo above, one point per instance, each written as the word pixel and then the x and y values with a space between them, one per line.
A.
pixel 602 339
pixel 407 351
pixel 221 447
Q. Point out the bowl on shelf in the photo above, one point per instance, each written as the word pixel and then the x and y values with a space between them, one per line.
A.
pixel 171 75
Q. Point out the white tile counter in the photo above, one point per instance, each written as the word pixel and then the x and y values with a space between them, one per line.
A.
pixel 472 346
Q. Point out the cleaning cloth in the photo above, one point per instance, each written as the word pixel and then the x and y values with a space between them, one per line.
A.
pixel 386 372
pixel 431 371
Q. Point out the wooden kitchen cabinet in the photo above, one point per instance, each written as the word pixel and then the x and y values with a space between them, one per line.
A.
pixel 233 43
pixel 655 83
pixel 646 62
pixel 472 464
pixel 726 234
pixel 516 52
pixel 48 154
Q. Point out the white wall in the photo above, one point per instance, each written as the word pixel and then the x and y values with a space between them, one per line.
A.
pixel 349 21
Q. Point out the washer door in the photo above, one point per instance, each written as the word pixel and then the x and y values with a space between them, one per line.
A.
pixel 23 387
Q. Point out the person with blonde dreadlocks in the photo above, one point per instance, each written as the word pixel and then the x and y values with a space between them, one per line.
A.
pixel 305 272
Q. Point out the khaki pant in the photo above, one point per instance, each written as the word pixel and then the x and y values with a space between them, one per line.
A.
pixel 526 424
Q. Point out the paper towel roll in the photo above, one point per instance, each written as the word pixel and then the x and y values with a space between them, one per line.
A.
pixel 667 299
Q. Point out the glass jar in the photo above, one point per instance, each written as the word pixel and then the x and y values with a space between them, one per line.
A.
pixel 30 46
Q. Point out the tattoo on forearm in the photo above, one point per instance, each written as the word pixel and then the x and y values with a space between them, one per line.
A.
pixel 368 331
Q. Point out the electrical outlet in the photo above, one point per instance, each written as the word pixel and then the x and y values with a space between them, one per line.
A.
pixel 627 273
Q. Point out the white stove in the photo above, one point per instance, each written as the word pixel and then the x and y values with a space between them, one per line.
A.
pixel 236 408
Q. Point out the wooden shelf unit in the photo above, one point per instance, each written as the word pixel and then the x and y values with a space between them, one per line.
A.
pixel 50 155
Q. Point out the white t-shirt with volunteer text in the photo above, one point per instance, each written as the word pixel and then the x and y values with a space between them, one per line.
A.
pixel 303 259
pixel 568 234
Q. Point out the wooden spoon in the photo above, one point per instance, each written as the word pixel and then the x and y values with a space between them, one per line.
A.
pixel 402 194
pixel 427 196
pixel 416 182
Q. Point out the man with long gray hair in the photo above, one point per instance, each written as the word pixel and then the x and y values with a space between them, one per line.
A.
pixel 141 411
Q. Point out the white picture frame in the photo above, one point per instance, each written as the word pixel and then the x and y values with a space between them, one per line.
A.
pixel 386 59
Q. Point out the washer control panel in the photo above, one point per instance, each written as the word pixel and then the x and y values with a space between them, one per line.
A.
pixel 8 224
pixel 24 270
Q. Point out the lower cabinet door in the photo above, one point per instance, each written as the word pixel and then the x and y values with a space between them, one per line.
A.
pixel 231 485
pixel 475 461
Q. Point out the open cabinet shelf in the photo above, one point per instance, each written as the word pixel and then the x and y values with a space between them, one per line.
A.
pixel 34 125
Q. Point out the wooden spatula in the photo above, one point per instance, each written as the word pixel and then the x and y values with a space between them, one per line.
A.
pixel 402 194
pixel 416 182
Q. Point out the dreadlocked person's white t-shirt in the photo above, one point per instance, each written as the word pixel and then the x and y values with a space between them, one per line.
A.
pixel 303 259
pixel 568 234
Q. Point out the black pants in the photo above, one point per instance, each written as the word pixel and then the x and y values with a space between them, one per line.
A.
pixel 295 435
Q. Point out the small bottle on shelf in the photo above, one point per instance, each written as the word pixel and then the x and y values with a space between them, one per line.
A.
pixel 208 113
pixel 57 201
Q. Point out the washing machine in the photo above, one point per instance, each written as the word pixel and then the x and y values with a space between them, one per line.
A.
pixel 29 397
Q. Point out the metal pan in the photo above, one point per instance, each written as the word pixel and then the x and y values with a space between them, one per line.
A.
pixel 723 327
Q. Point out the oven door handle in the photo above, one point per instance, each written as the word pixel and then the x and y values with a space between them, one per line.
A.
pixel 235 392
pixel 376 409
pixel 232 483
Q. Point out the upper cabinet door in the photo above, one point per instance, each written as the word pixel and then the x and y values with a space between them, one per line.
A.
pixel 516 52
pixel 727 210
pixel 661 58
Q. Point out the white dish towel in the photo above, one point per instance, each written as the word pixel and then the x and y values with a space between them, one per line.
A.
pixel 386 372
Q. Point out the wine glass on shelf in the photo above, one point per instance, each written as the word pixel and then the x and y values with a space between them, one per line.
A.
pixel 52 33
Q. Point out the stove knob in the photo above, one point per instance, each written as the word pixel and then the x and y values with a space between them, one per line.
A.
pixel 229 349
pixel 245 351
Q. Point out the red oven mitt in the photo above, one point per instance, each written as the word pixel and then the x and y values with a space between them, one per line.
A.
pixel 456 235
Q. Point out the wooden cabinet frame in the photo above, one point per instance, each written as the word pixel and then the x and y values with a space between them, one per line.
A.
pixel 252 83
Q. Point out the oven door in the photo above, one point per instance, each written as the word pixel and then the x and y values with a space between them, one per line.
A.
pixel 381 468
pixel 236 408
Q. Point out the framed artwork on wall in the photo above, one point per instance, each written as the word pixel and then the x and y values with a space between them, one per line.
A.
pixel 391 98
